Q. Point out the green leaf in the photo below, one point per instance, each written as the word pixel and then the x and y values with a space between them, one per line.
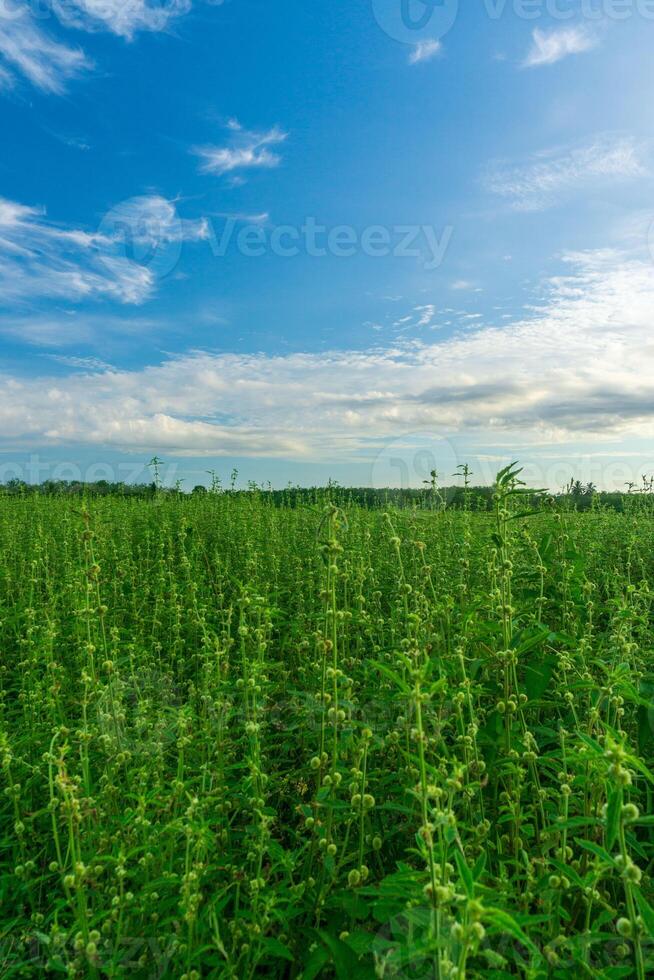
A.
pixel 538 676
pixel 527 639
pixel 506 922
pixel 344 959
pixel 392 675
pixel 504 472
pixel 595 849
pixel 360 941
pixel 314 964
pixel 568 872
pixel 55 965
pixel 277 949
pixel 480 867
pixel 613 812
pixel 465 874
pixel 638 764
pixel 645 910
pixel 590 743
pixel 522 515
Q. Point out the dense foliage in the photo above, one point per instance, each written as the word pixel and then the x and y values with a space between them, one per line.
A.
pixel 244 739
pixel 474 498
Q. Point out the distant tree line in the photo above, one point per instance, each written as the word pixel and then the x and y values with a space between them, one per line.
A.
pixel 576 495
pixel 77 488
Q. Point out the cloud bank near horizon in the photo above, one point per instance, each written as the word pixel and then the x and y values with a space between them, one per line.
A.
pixel 579 366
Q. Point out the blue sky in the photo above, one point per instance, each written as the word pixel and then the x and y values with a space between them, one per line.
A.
pixel 310 241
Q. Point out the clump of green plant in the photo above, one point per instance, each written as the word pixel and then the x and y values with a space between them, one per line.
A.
pixel 246 734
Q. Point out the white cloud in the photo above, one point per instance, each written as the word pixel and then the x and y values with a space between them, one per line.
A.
pixel 72 141
pixel 151 221
pixel 93 364
pixel 548 48
pixel 545 177
pixel 29 50
pixel 73 329
pixel 425 51
pixel 245 150
pixel 262 218
pixel 581 366
pixel 6 79
pixel 136 242
pixel 122 17
pixel 426 315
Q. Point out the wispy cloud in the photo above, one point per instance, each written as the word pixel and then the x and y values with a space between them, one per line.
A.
pixel 120 261
pixel 418 318
pixel 426 315
pixel 70 140
pixel 244 150
pixel 71 328
pixel 6 79
pixel 541 180
pixel 579 366
pixel 27 49
pixel 93 364
pixel 243 217
pixel 549 47
pixel 424 51
pixel 123 17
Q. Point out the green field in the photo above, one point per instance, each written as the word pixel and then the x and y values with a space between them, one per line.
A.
pixel 244 739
